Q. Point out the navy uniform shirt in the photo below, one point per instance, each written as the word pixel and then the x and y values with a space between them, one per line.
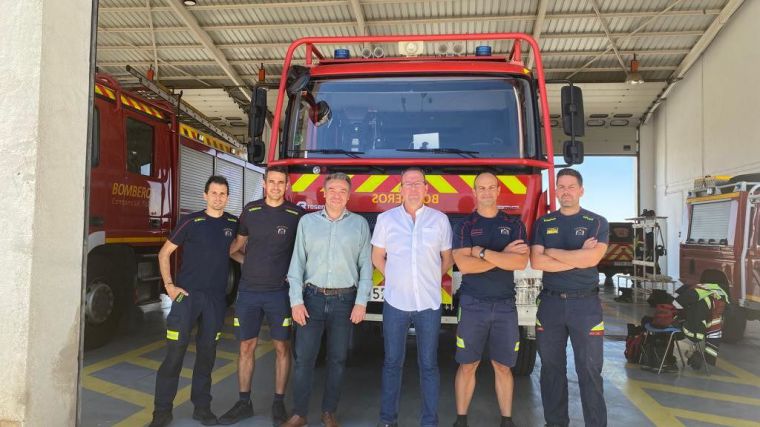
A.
pixel 271 233
pixel 493 234
pixel 205 243
pixel 568 232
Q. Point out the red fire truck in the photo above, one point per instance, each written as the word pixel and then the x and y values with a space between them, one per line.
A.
pixel 151 155
pixel 723 245
pixel 430 103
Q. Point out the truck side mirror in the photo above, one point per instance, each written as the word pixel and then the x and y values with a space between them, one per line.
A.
pixel 572 111
pixel 257 113
pixel 573 152
pixel 298 78
pixel 256 152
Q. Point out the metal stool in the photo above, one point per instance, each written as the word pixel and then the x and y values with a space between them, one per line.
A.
pixel 672 332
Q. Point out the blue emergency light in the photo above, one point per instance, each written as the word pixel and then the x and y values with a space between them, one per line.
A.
pixel 483 51
pixel 342 54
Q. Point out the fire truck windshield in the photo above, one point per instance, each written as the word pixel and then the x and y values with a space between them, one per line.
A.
pixel 413 117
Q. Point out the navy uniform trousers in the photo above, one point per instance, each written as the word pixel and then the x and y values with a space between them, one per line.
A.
pixel 578 317
pixel 207 311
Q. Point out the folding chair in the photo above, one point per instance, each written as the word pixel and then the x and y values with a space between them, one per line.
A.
pixel 674 334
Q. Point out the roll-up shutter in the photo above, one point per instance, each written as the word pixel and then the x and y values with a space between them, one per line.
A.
pixel 253 186
pixel 234 175
pixel 194 170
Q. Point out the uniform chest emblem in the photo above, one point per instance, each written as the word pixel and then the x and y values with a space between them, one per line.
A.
pixel 282 230
pixel 504 231
pixel 476 232
pixel 552 230
pixel 227 232
pixel 580 231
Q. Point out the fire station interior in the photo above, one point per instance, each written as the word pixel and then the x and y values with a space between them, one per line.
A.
pixel 670 154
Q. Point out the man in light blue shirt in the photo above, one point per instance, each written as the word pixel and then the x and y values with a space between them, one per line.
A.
pixel 330 279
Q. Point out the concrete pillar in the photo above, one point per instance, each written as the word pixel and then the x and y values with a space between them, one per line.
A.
pixel 44 87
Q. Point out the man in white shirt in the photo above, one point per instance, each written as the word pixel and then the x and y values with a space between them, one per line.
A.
pixel 411 246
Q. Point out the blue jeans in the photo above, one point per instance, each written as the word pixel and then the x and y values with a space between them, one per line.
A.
pixel 427 325
pixel 326 313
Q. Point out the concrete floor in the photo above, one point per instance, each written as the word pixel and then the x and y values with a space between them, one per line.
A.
pixel 119 378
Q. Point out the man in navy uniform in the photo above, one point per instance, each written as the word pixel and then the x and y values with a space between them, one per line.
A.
pixel 198 298
pixel 264 246
pixel 488 246
pixel 567 245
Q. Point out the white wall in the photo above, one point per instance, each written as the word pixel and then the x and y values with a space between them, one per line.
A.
pixel 606 141
pixel 44 86
pixel 710 123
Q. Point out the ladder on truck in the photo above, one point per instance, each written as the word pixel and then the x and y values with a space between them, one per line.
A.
pixel 185 112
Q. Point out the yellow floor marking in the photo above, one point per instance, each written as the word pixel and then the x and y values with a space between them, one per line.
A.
pixel 658 414
pixel 107 363
pixel 154 365
pixel 722 378
pixel 696 393
pixel 145 400
pixel 738 372
pixel 116 391
pixel 713 419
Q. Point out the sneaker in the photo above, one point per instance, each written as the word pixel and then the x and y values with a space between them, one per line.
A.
pixel 507 423
pixel 241 410
pixel 460 424
pixel 279 415
pixel 161 419
pixel 205 416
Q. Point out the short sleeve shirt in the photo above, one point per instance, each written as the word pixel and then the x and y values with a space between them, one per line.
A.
pixel 205 243
pixel 558 231
pixel 493 234
pixel 413 249
pixel 271 233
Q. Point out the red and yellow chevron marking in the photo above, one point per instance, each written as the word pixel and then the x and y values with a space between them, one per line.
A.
pixel 446 283
pixel 439 184
pixel 205 139
pixel 619 252
pixel 128 101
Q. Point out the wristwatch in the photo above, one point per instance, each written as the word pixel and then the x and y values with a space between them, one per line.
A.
pixel 482 253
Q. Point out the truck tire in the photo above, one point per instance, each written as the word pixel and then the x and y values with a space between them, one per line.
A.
pixel 103 304
pixel 526 357
pixel 233 280
pixel 734 323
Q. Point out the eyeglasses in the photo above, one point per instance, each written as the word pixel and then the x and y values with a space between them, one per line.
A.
pixel 417 184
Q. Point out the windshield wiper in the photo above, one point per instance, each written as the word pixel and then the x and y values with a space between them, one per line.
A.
pixel 352 154
pixel 463 153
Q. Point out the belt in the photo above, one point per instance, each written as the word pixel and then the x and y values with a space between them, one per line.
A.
pixel 331 291
pixel 571 295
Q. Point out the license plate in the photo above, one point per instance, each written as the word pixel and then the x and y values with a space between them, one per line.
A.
pixel 377 293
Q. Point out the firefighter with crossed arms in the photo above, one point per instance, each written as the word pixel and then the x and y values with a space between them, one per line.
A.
pixel 567 245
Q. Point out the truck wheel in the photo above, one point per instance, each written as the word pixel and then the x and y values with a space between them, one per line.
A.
pixel 526 357
pixel 103 303
pixel 734 323
pixel 233 280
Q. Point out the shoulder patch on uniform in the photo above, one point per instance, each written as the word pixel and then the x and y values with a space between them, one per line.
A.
pixel 291 211
pixel 552 230
pixel 255 208
pixel 588 218
pixel 199 219
pixel 549 219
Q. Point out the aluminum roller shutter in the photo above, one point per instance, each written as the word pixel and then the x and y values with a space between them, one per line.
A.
pixel 194 169
pixel 234 175
pixel 253 185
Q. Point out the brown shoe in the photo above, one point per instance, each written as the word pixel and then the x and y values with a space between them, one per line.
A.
pixel 328 420
pixel 295 421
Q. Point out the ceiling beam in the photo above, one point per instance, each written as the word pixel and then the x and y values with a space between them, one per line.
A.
pixel 361 25
pixel 625 37
pixel 696 51
pixel 606 29
pixel 537 26
pixel 203 37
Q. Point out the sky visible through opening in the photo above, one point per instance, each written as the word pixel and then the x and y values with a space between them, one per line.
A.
pixel 610 185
